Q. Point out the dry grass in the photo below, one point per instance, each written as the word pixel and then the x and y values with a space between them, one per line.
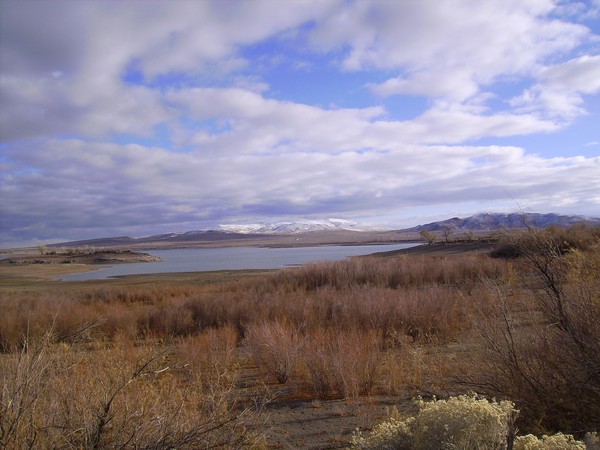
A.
pixel 123 395
pixel 275 347
pixel 342 364
pixel 183 364
pixel 420 297
pixel 540 336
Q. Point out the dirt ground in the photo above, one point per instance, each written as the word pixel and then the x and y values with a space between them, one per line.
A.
pixel 323 424
pixel 97 257
pixel 441 249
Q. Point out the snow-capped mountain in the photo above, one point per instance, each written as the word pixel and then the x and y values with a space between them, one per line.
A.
pixel 497 221
pixel 303 226
pixel 486 222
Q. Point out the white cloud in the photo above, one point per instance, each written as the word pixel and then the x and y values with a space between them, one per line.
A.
pixel 254 124
pixel 560 88
pixel 69 183
pixel 259 125
pixel 232 147
pixel 48 106
pixel 579 10
pixel 455 84
pixel 451 50
pixel 211 31
pixel 93 44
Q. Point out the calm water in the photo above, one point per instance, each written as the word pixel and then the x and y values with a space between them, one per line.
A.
pixel 236 258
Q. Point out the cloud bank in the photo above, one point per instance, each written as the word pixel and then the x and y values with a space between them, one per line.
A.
pixel 142 117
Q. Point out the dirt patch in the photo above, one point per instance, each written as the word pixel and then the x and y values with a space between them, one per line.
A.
pixel 441 249
pixel 325 424
pixel 96 257
pixel 34 267
pixel 17 274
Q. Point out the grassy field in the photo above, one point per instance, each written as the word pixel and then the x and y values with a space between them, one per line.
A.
pixel 301 357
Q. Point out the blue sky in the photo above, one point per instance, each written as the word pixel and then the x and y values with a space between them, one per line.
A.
pixel 143 117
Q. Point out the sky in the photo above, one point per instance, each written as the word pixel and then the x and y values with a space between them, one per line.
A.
pixel 145 117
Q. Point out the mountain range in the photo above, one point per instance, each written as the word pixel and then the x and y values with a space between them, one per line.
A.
pixel 479 222
pixel 305 226
pixel 323 231
pixel 497 221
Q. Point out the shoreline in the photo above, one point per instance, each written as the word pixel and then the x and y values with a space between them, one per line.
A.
pixel 11 274
pixel 52 266
pixel 76 256
pixel 441 249
pixel 54 271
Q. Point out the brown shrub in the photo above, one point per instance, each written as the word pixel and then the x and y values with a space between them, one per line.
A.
pixel 125 396
pixel 395 273
pixel 370 293
pixel 547 356
pixel 275 347
pixel 342 363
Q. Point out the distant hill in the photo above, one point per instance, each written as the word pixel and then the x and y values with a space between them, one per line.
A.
pixel 330 231
pixel 497 221
pixel 235 233
pixel 172 238
pixel 99 242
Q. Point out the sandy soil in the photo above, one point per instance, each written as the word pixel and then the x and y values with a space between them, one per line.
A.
pixel 31 266
pixel 326 424
pixel 96 257
pixel 441 249
pixel 17 274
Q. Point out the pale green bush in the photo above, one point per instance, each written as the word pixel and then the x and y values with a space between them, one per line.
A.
pixel 464 422
pixel 592 441
pixel 393 434
pixel 557 441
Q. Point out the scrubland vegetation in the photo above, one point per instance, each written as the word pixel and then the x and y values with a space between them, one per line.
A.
pixel 192 365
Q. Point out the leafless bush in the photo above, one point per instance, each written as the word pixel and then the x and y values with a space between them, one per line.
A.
pixel 547 355
pixel 25 378
pixel 539 245
pixel 395 273
pixel 275 346
pixel 363 292
pixel 342 364
pixel 123 396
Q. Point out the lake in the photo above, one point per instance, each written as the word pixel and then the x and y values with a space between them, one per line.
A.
pixel 233 258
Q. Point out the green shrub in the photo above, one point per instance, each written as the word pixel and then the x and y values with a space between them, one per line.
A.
pixel 464 422
pixel 592 440
pixel 393 434
pixel 557 441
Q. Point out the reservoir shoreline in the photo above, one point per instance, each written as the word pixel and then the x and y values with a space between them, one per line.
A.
pixel 234 258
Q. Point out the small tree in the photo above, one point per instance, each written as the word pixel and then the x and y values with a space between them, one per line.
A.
pixel 447 231
pixel 428 236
